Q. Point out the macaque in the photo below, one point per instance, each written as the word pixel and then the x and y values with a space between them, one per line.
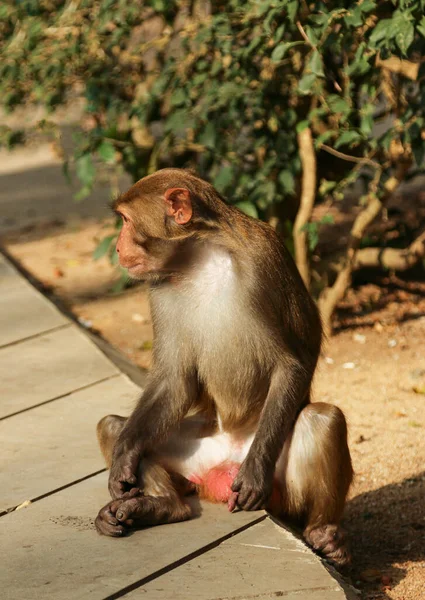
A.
pixel 226 412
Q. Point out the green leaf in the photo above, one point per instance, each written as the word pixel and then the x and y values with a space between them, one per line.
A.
pixel 269 191
pixel 106 152
pixel 306 83
pixel 282 48
pixel 85 170
pixel 315 64
pixel 103 247
pixel 292 10
pixel 312 230
pixel 208 137
pixel 224 178
pixel 380 32
pixel 178 97
pixel 348 138
pixel 82 193
pixel 366 121
pixel 338 104
pixel 301 125
pixel 421 27
pixel 327 220
pixel 324 137
pixel 279 52
pixel 248 208
pixel 405 36
pixel 326 187
pixel 287 181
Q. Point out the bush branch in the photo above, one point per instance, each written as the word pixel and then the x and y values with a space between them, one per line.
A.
pixel 392 258
pixel 330 297
pixel 363 160
pixel 308 192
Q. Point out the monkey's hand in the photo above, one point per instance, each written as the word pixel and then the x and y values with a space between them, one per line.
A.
pixel 124 470
pixel 252 486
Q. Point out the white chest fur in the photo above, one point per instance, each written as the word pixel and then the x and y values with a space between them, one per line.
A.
pixel 200 306
pixel 204 320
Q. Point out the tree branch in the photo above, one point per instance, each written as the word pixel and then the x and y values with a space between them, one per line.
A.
pixel 392 258
pixel 330 297
pixel 363 160
pixel 308 193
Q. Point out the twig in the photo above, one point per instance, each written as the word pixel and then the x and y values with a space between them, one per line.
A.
pixel 392 258
pixel 304 35
pixel 330 297
pixel 356 159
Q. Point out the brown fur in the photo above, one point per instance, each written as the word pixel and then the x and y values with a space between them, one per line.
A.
pixel 237 338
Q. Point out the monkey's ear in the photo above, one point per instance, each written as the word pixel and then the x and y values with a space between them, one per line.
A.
pixel 179 205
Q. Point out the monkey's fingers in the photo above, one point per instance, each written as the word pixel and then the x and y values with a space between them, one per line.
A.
pixel 245 499
pixel 237 484
pixel 232 503
pixel 261 504
pixel 118 487
pixel 251 499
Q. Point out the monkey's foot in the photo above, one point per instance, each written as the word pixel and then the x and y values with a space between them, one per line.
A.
pixel 330 541
pixel 107 522
pixel 134 509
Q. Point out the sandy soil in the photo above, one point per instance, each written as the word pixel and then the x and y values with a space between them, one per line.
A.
pixel 373 368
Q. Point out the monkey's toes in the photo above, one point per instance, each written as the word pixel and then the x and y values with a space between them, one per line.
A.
pixel 107 524
pixel 135 507
pixel 330 541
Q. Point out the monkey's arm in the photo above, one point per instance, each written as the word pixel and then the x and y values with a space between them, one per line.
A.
pixel 163 404
pixel 288 390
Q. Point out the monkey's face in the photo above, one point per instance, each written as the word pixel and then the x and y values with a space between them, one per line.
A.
pixel 152 233
pixel 138 253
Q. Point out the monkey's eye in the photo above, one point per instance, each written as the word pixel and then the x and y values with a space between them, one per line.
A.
pixel 121 216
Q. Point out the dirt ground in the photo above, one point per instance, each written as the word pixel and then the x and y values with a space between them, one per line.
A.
pixel 373 368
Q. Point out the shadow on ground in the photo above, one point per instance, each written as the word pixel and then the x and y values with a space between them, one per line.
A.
pixel 387 528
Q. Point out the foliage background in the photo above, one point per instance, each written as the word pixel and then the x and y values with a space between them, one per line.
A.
pixel 258 96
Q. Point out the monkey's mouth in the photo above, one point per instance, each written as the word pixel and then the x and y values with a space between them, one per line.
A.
pixel 136 270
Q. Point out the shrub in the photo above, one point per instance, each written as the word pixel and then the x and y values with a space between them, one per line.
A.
pixel 253 94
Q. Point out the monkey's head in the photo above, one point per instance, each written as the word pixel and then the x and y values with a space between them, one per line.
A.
pixel 160 213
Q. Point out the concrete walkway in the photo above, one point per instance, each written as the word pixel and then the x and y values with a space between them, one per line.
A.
pixel 55 385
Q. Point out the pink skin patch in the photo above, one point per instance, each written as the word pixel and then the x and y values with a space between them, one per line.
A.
pixel 216 484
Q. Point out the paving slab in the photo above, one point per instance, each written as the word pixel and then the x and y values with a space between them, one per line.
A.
pixel 51 549
pixel 263 562
pixel 48 366
pixel 55 444
pixel 18 301
pixel 56 384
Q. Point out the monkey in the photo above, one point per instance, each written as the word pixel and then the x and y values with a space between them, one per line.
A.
pixel 227 409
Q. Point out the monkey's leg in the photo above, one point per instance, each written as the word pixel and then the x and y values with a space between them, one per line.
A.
pixel 159 503
pixel 315 473
pixel 162 499
pixel 108 430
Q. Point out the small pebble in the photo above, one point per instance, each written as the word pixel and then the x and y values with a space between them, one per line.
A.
pixel 392 343
pixel 358 337
pixel 349 365
pixel 329 360
pixel 85 323
pixel 138 318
